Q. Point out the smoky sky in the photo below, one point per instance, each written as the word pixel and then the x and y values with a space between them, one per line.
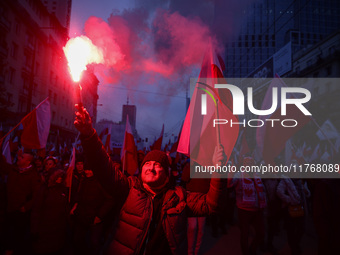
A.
pixel 158 45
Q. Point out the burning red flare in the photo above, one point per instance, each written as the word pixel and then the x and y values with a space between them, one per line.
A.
pixel 80 51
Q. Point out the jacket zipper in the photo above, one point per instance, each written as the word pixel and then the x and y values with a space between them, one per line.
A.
pixel 146 232
pixel 173 194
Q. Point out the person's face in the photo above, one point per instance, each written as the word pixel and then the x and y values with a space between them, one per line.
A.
pixel 38 163
pixel 49 164
pixel 80 167
pixel 24 159
pixel 88 173
pixel 153 174
pixel 59 180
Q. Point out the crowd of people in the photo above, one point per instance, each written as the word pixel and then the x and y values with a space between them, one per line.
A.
pixel 159 210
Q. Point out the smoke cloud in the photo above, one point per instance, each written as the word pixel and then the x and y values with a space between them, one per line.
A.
pixel 160 44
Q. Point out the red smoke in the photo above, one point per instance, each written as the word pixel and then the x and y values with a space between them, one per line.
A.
pixel 166 46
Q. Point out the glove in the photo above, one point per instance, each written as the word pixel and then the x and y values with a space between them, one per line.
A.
pixel 83 122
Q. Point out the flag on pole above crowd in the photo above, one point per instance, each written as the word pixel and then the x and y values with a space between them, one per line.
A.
pixel 199 137
pixel 107 144
pixel 157 145
pixel 36 126
pixel 104 132
pixel 129 156
pixel 271 140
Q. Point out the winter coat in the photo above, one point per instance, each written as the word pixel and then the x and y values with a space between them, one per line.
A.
pixel 92 201
pixel 49 217
pixel 292 192
pixel 136 213
pixel 22 184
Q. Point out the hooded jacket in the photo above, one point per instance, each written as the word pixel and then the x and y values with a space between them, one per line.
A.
pixel 136 213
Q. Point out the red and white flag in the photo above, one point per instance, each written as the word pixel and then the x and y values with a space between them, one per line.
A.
pixel 199 137
pixel 36 126
pixel 104 132
pixel 107 145
pixel 271 140
pixel 129 151
pixel 157 145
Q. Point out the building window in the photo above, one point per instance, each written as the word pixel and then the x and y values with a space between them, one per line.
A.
pixel 35 89
pixel 11 75
pixel 25 86
pixel 17 28
pixel 28 60
pixel 9 97
pixel 14 50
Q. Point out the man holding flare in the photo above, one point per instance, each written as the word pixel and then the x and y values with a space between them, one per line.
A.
pixel 153 217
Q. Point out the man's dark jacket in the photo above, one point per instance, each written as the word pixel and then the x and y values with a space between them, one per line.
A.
pixel 136 213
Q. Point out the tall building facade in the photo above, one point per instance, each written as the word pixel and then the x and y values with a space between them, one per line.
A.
pixel 61 9
pixel 131 111
pixel 268 25
pixel 33 66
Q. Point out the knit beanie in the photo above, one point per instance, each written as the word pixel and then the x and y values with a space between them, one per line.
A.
pixel 158 156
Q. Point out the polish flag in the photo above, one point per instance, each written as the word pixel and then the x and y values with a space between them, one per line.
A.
pixel 157 145
pixel 107 145
pixel 129 151
pixel 103 133
pixel 36 126
pixel 199 137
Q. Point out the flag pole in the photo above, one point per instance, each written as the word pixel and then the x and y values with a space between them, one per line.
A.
pixel 218 137
pixel 124 161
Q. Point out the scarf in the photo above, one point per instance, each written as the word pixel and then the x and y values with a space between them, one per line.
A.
pixel 253 188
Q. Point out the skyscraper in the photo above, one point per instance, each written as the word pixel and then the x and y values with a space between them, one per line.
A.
pixel 268 25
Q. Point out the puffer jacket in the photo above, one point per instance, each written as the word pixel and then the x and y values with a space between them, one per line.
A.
pixel 292 192
pixel 136 212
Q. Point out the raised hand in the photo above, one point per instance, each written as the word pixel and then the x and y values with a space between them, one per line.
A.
pixel 83 121
pixel 219 157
